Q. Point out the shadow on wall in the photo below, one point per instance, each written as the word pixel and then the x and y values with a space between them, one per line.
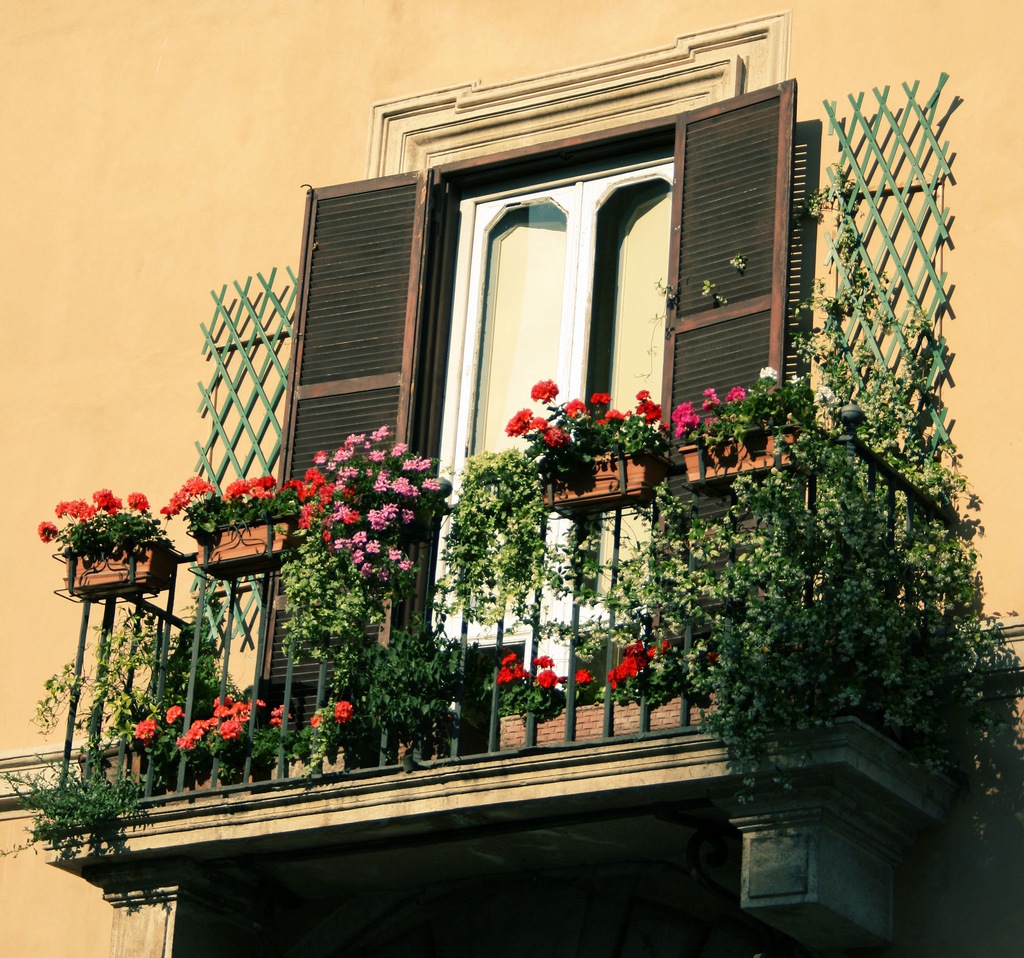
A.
pixel 961 885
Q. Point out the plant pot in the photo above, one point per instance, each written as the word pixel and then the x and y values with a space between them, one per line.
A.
pixel 120 577
pixel 247 550
pixel 721 463
pixel 612 482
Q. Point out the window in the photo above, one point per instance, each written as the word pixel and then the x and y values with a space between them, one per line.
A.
pixel 379 267
pixel 559 282
pixel 387 292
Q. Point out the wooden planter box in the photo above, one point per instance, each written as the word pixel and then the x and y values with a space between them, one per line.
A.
pixel 118 577
pixel 612 483
pixel 248 550
pixel 720 464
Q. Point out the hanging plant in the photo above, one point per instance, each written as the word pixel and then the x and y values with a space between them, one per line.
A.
pixel 495 553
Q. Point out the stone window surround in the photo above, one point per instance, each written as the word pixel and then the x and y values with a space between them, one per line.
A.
pixel 474 119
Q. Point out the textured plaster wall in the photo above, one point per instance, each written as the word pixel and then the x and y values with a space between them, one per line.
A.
pixel 151 152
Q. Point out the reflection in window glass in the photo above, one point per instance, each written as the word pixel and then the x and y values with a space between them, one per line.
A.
pixel 522 310
pixel 627 311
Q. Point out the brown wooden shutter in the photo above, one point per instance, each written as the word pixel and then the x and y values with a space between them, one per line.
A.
pixel 354 356
pixel 732 197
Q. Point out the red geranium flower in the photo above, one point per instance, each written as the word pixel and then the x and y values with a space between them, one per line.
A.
pixel 145 731
pixel 547 679
pixel 519 423
pixel 47 531
pixel 545 391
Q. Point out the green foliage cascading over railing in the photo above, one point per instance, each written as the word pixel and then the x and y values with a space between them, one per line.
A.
pixel 892 228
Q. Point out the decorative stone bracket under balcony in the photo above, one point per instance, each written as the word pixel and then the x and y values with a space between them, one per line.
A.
pixel 817 857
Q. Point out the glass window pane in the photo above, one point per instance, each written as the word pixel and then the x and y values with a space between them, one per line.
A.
pixel 627 322
pixel 521 321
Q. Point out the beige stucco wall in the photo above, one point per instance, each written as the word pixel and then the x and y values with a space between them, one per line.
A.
pixel 151 152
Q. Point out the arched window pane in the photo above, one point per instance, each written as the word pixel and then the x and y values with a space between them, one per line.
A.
pixel 522 314
pixel 627 321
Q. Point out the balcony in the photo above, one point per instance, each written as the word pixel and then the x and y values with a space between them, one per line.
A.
pixel 290 792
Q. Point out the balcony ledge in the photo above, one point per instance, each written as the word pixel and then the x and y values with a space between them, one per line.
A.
pixel 818 858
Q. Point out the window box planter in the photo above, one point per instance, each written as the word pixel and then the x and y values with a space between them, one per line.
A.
pixel 613 482
pixel 151 572
pixel 248 550
pixel 721 463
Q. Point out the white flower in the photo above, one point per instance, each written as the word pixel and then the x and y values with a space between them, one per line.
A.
pixel 794 380
pixel 768 373
pixel 824 396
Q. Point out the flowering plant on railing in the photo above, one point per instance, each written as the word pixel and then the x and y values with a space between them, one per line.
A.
pixel 365 506
pixel 105 527
pixel 654 672
pixel 542 693
pixel 575 433
pixel 763 407
pixel 243 503
pixel 221 733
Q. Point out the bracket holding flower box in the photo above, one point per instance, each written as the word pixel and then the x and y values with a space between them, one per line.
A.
pixel 147 572
pixel 720 463
pixel 113 548
pixel 233 551
pixel 613 482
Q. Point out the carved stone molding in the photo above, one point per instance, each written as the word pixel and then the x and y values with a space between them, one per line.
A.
pixel 475 119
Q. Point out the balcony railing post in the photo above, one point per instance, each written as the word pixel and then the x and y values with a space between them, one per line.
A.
pixel 69 733
pixel 492 732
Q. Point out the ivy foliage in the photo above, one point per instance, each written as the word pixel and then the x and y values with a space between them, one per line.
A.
pixel 495 551
pixel 71 813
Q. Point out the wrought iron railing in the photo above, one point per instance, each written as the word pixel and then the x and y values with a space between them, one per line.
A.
pixel 258 749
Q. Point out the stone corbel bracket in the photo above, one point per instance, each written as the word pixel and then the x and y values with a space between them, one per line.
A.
pixel 469 120
pixel 819 855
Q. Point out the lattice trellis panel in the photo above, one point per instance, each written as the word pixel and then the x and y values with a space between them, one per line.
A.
pixel 248 342
pixel 892 158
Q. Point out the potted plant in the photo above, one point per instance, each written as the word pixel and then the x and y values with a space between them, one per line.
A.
pixel 807 604
pixel 651 672
pixel 244 531
pixel 365 507
pixel 495 554
pixel 539 691
pixel 112 548
pixel 751 428
pixel 592 456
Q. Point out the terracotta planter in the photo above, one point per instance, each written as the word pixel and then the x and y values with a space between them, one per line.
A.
pixel 720 464
pixel 247 550
pixel 612 483
pixel 119 577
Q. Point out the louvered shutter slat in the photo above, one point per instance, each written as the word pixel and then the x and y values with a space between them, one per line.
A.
pixel 732 198
pixel 354 358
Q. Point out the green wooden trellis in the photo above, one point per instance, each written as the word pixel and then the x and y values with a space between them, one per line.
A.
pixel 895 212
pixel 247 341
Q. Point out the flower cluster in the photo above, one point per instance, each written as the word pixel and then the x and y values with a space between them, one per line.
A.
pixel 341 713
pixel 244 502
pixel 105 527
pixel 575 433
pixel 764 406
pixel 542 693
pixel 367 499
pixel 229 719
pixel 655 673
